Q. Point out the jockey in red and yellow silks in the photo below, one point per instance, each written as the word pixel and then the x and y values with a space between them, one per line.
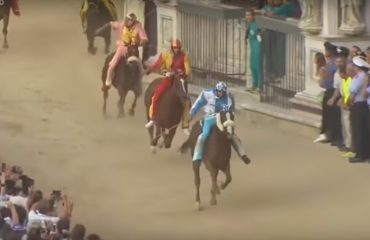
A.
pixel 15 7
pixel 131 34
pixel 174 60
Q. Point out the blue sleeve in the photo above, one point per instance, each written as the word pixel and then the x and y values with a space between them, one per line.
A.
pixel 198 104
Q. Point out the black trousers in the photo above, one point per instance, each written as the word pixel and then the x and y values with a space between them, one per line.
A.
pixel 331 124
pixel 360 117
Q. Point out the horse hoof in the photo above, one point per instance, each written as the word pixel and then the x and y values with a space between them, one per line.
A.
pixel 213 202
pixel 106 51
pixel 120 115
pixel 131 112
pixel 6 46
pixel 153 149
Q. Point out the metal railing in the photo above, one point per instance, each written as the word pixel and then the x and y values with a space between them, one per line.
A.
pixel 283 61
pixel 216 48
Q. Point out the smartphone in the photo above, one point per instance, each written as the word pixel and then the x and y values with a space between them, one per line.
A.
pixel 57 195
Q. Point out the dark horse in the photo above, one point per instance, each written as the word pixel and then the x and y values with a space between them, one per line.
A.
pixel 169 111
pixel 216 154
pixel 4 15
pixel 127 77
pixel 97 15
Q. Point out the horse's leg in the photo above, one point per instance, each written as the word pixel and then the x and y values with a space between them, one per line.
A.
pixel 133 106
pixel 5 29
pixel 105 97
pixel 154 141
pixel 91 48
pixel 227 173
pixel 196 167
pixel 169 138
pixel 121 103
pixel 214 189
pixel 107 40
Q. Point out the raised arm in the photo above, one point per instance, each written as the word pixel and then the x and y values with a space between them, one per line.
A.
pixel 198 104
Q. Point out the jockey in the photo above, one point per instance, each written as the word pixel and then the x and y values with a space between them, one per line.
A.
pixel 109 5
pixel 131 33
pixel 174 60
pixel 214 100
pixel 15 7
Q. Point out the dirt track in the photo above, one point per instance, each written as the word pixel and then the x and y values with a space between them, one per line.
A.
pixel 51 124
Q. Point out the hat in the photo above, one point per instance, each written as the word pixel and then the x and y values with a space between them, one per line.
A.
pixel 360 62
pixel 342 51
pixel 329 46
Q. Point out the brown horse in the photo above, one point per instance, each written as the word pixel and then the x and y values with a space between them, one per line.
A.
pixel 127 77
pixel 4 15
pixel 169 111
pixel 216 154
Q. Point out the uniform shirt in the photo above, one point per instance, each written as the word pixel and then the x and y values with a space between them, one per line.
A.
pixel 331 70
pixel 357 85
pixel 211 103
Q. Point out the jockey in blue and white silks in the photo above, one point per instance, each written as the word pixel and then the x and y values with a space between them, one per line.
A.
pixel 213 100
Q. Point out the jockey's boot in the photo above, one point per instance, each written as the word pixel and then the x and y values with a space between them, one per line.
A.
pixel 150 123
pixel 246 159
pixel 238 147
pixel 198 150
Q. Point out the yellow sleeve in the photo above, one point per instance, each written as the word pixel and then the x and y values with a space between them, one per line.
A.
pixel 186 65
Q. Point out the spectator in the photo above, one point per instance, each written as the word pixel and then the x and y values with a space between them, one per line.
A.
pixel 285 9
pixel 93 236
pixel 33 199
pixel 330 132
pixel 78 232
pixel 359 111
pixel 367 55
pixel 355 51
pixel 253 37
pixel 342 82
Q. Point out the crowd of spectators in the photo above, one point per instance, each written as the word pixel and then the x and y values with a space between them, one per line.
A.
pixel 344 77
pixel 27 214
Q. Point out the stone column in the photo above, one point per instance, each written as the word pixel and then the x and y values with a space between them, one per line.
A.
pixel 167 23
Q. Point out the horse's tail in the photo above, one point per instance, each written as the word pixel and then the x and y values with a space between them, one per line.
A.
pixel 140 69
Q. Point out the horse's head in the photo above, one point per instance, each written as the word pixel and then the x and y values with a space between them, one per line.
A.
pixel 225 122
pixel 94 5
pixel 178 84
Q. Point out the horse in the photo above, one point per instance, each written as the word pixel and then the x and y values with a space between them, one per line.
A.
pixel 216 154
pixel 4 15
pixel 169 111
pixel 127 77
pixel 97 15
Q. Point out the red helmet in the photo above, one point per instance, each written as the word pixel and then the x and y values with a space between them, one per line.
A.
pixel 176 43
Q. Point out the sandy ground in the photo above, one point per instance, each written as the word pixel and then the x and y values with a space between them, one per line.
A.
pixel 51 124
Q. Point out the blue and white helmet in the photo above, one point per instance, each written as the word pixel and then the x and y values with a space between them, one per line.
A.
pixel 221 87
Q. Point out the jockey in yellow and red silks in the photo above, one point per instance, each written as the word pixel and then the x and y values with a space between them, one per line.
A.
pixel 130 34
pixel 175 60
